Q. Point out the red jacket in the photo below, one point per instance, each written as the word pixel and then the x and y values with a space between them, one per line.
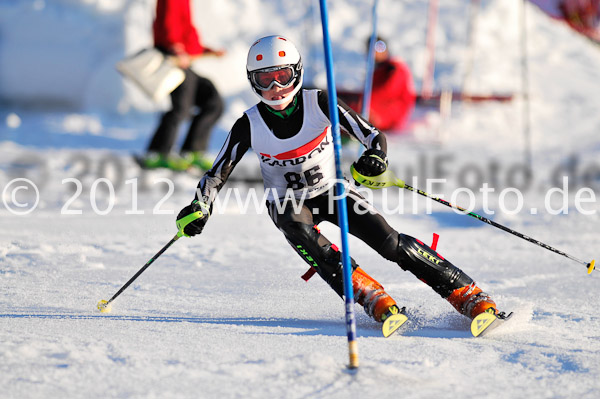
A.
pixel 393 96
pixel 173 28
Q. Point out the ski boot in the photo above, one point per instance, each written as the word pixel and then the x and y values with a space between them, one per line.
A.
pixel 156 161
pixel 471 301
pixel 197 160
pixel 376 302
pixel 370 294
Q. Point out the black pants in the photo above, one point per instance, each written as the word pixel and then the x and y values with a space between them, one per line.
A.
pixel 194 92
pixel 364 222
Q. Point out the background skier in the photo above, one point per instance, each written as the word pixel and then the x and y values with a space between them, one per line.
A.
pixel 196 98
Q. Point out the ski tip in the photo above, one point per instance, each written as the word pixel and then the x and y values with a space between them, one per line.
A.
pixel 481 322
pixel 487 321
pixel 591 266
pixel 393 323
pixel 103 306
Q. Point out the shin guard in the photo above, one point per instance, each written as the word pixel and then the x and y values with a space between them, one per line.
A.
pixel 318 252
pixel 425 263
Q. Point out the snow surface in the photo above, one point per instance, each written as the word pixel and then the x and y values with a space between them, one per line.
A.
pixel 226 314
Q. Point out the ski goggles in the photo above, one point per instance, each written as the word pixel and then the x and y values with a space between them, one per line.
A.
pixel 265 79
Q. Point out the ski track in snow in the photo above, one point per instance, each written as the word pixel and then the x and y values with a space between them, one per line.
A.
pixel 226 314
pixel 243 323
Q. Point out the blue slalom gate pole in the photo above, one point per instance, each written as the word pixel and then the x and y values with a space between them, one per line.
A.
pixel 340 191
pixel 370 64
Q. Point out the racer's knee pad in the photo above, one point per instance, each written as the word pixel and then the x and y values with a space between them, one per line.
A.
pixel 426 264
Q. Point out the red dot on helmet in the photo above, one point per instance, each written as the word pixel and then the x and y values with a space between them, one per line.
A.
pixel 259 57
pixel 282 53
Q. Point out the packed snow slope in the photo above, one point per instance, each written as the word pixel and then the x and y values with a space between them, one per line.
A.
pixel 226 314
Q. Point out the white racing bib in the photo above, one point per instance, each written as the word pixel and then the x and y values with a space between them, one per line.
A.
pixel 304 163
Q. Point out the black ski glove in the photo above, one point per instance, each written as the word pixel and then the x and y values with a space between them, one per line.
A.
pixel 371 163
pixel 192 218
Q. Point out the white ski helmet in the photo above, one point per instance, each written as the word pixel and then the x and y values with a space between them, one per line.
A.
pixel 274 60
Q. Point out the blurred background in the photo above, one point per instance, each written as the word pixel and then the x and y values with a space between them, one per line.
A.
pixel 59 87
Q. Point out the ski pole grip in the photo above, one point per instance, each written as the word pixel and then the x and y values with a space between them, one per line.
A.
pixel 184 221
pixel 386 179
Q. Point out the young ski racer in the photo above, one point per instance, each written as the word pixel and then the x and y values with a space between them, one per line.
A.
pixel 290 131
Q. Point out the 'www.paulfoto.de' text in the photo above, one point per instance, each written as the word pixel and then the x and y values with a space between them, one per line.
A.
pixel 21 196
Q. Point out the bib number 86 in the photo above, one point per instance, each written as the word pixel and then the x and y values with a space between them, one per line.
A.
pixel 310 177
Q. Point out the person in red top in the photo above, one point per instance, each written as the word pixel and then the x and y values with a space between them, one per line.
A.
pixel 582 14
pixel 393 95
pixel 393 92
pixel 197 97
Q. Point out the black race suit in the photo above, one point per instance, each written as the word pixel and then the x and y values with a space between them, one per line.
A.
pixel 300 229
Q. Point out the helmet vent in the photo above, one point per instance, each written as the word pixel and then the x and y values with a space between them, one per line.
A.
pixel 282 53
pixel 259 57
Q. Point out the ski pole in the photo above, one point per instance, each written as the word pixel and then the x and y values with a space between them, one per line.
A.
pixel 388 179
pixel 104 306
